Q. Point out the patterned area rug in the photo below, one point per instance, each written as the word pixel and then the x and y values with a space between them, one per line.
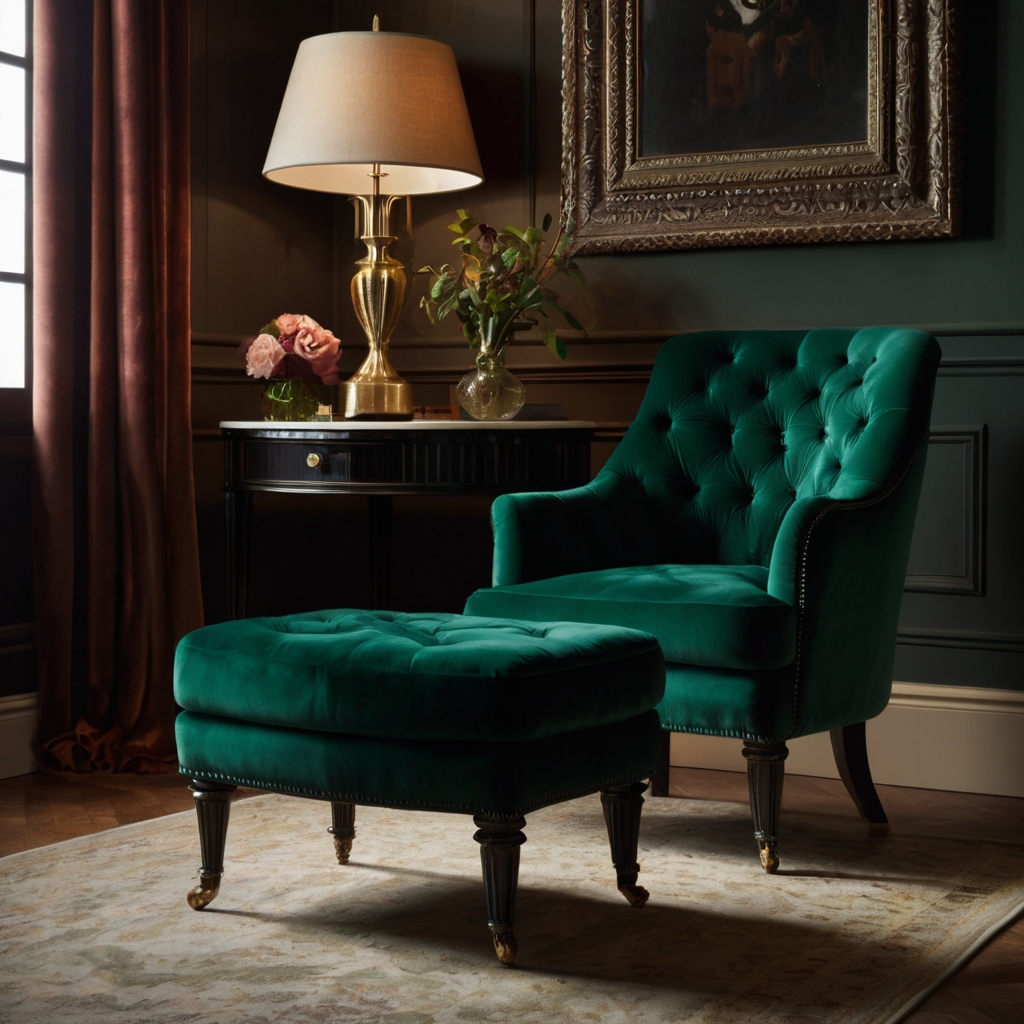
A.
pixel 855 929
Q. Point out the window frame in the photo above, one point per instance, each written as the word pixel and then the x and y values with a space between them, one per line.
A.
pixel 15 403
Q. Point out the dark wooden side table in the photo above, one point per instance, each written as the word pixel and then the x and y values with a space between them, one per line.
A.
pixel 381 460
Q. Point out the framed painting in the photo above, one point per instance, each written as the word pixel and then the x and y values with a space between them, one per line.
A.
pixel 696 123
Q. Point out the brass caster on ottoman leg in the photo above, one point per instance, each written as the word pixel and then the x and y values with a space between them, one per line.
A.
pixel 505 946
pixel 343 828
pixel 636 895
pixel 769 858
pixel 203 894
pixel 213 807
pixel 622 806
pixel 500 839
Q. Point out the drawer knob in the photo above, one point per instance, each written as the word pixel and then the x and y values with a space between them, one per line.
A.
pixel 312 460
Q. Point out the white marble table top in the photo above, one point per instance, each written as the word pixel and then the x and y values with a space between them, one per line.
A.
pixel 411 425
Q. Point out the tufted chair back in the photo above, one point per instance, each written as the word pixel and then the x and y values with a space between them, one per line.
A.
pixel 738 426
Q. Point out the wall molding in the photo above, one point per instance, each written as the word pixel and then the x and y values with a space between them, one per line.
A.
pixel 596 357
pixel 997 329
pixel 971 582
pixel 1007 643
pixel 573 374
pixel 982 366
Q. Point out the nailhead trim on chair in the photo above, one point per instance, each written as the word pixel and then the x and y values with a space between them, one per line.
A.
pixel 354 798
pixel 837 506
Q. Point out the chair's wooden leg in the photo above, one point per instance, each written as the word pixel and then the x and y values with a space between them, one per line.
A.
pixel 500 839
pixel 212 810
pixel 659 780
pixel 766 774
pixel 622 805
pixel 343 828
pixel 850 746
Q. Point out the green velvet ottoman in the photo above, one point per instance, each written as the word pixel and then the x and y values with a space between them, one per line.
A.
pixel 436 712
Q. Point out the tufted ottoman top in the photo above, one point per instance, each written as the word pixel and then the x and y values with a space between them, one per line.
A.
pixel 419 676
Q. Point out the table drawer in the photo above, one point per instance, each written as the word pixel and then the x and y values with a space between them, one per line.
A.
pixel 482 462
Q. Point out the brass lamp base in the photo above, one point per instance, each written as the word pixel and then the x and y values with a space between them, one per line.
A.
pixel 377 399
pixel 376 391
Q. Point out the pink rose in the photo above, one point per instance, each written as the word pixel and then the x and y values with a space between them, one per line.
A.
pixel 305 325
pixel 288 324
pixel 320 347
pixel 263 356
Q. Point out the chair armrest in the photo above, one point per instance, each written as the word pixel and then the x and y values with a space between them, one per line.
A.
pixel 534 536
pixel 600 526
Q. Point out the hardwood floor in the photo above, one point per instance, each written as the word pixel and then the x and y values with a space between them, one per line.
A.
pixel 36 810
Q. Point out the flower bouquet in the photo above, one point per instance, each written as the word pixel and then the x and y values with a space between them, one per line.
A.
pixel 292 353
pixel 498 285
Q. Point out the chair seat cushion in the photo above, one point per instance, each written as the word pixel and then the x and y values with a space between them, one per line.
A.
pixel 431 676
pixel 712 615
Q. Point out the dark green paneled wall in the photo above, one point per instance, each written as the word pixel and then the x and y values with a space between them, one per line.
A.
pixel 260 247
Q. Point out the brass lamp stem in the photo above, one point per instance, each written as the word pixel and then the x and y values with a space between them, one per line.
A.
pixel 376 391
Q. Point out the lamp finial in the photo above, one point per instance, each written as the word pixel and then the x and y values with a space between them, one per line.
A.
pixel 376 23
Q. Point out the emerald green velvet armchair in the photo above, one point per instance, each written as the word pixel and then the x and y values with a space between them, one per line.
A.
pixel 756 518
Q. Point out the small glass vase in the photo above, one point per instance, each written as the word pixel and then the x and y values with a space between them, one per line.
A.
pixel 490 392
pixel 294 398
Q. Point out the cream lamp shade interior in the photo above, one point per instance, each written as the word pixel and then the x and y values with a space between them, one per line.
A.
pixel 359 98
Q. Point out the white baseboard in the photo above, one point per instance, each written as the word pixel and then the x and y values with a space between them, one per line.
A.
pixel 954 738
pixel 932 737
pixel 18 717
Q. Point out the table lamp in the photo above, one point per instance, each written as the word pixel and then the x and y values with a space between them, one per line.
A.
pixel 377 116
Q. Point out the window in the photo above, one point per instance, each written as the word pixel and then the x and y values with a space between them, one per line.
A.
pixel 15 128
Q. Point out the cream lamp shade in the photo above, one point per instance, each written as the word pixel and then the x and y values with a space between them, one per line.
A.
pixel 355 99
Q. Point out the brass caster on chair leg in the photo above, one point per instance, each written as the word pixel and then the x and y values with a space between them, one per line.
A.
pixel 636 895
pixel 203 894
pixel 342 849
pixel 769 858
pixel 505 946
pixel 343 828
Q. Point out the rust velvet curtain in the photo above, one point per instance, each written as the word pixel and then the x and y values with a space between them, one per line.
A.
pixel 116 556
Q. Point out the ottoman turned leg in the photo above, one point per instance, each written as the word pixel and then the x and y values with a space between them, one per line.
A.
pixel 500 839
pixel 622 806
pixel 212 809
pixel 343 828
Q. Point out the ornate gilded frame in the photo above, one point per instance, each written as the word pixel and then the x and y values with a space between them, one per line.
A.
pixel 901 182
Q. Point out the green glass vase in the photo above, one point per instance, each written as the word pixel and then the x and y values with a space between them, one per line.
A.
pixel 294 398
